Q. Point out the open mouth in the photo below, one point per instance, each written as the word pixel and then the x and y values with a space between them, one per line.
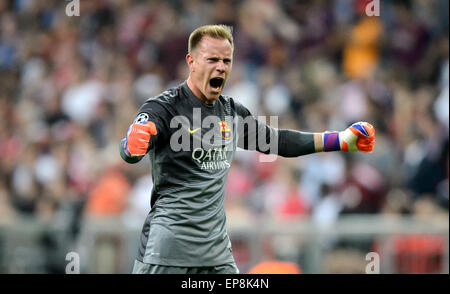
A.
pixel 216 83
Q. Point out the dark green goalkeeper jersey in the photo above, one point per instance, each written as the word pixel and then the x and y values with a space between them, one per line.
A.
pixel 190 158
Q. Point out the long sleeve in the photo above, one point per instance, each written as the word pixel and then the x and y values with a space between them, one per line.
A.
pixel 150 111
pixel 295 143
pixel 256 135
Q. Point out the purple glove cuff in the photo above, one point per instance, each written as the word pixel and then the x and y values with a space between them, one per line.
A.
pixel 331 142
pixel 125 148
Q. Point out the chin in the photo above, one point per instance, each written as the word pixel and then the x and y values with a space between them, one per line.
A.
pixel 212 96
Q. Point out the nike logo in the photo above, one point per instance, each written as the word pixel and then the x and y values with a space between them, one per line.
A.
pixel 193 131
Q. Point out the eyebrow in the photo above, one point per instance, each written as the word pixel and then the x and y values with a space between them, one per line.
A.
pixel 215 58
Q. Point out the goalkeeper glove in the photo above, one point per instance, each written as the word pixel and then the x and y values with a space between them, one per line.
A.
pixel 359 136
pixel 138 138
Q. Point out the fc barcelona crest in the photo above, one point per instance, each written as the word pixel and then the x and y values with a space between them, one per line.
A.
pixel 225 130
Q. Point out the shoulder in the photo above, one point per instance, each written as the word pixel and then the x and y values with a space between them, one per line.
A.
pixel 236 106
pixel 164 102
pixel 167 97
pixel 160 107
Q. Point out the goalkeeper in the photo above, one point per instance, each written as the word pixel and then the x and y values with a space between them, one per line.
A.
pixel 185 230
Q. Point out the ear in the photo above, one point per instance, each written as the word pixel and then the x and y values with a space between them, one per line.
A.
pixel 190 61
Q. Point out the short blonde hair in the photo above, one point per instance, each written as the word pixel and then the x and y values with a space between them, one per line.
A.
pixel 214 31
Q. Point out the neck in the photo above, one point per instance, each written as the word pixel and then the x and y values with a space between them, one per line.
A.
pixel 196 91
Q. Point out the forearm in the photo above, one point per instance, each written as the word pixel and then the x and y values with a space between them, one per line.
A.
pixel 295 143
pixel 127 158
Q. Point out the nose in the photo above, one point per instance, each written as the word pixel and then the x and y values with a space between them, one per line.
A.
pixel 221 66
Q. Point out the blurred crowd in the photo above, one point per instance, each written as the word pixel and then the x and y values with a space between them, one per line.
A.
pixel 70 87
